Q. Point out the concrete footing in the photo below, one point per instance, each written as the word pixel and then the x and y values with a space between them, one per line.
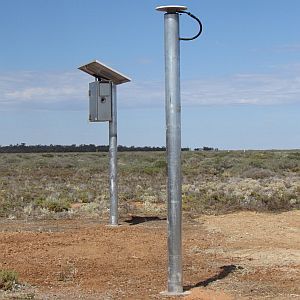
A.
pixel 174 294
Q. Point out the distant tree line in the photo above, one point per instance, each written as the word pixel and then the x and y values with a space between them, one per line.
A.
pixel 206 149
pixel 23 148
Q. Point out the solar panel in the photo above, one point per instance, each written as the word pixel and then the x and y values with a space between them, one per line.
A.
pixel 100 70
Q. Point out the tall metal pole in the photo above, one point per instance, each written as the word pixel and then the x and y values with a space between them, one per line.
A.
pixel 113 187
pixel 173 136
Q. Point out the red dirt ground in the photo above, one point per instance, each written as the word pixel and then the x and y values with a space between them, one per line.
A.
pixel 236 256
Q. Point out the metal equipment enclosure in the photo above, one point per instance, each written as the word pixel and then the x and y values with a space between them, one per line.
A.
pixel 100 101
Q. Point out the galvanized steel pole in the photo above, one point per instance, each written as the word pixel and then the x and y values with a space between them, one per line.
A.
pixel 113 187
pixel 173 136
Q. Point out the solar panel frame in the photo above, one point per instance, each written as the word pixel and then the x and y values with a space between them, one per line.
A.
pixel 102 71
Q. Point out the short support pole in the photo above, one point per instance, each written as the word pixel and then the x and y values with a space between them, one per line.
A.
pixel 113 180
pixel 173 136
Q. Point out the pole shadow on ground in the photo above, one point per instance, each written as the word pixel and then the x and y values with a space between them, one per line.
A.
pixel 135 220
pixel 224 272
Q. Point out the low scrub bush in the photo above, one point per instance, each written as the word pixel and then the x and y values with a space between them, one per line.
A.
pixel 49 185
pixel 257 173
pixel 8 279
pixel 53 205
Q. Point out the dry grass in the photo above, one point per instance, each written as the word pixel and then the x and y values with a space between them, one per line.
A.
pixel 76 184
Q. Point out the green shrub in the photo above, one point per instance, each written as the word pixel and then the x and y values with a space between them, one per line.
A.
pixel 47 155
pixel 160 164
pixel 151 170
pixel 8 279
pixel 54 205
pixel 257 173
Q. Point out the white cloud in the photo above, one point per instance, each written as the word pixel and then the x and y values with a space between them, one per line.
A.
pixel 288 48
pixel 41 90
pixel 243 89
pixel 68 90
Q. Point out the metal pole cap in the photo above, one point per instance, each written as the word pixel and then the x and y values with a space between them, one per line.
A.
pixel 171 8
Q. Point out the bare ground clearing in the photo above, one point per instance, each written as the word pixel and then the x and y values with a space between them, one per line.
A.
pixel 242 255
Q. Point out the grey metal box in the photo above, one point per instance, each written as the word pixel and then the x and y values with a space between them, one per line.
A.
pixel 100 101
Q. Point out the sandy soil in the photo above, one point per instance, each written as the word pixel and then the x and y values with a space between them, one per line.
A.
pixel 237 256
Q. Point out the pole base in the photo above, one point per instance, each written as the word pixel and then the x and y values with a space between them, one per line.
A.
pixel 112 225
pixel 174 294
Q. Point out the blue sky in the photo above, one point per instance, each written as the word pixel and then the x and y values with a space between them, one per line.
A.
pixel 240 81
